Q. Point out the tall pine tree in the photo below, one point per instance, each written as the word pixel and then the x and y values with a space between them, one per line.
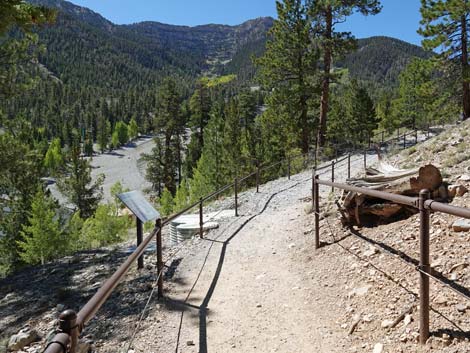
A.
pixel 445 27
pixel 326 14
pixel 289 65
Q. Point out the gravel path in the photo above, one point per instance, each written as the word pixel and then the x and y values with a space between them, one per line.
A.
pixel 242 289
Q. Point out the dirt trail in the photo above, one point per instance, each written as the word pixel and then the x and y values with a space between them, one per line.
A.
pixel 242 289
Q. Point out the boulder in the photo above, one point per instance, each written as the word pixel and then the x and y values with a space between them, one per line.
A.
pixel 22 339
pixel 461 225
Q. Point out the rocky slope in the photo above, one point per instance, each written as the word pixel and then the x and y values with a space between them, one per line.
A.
pixel 260 285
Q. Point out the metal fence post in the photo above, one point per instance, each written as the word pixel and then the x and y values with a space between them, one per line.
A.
pixel 398 135
pixel 235 186
pixel 332 175
pixel 429 132
pixel 425 267
pixel 370 140
pixel 314 173
pixel 365 159
pixel 140 260
pixel 159 258
pixel 288 168
pixel 349 165
pixel 68 325
pixel 404 140
pixel 257 178
pixel 201 219
pixel 416 136
pixel 316 210
pixel 383 137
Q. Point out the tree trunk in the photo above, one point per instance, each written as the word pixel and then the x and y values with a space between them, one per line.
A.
pixel 465 83
pixel 325 95
pixel 361 209
pixel 305 127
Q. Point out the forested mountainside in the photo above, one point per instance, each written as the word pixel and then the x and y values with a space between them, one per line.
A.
pixel 381 59
pixel 98 68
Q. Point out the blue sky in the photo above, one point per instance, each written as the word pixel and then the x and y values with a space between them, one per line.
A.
pixel 399 18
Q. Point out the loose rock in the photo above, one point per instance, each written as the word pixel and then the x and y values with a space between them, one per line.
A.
pixel 378 348
pixel 465 177
pixel 22 339
pixel 461 225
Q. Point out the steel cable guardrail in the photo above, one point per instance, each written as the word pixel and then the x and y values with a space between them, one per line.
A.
pixel 424 205
pixel 337 241
pixel 72 324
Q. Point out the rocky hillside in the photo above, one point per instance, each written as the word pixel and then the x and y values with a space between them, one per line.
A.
pixel 358 293
pixel 374 268
pixel 189 50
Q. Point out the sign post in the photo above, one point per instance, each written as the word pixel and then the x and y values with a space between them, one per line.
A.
pixel 143 212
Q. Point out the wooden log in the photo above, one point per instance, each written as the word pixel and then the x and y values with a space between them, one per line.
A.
pixel 359 208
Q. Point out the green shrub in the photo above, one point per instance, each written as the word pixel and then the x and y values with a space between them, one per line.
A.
pixel 104 228
pixel 41 239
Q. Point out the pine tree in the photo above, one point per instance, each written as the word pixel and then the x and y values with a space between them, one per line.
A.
pixel 289 65
pixel 77 185
pixel 74 233
pixel 417 94
pixel 155 165
pixel 104 133
pixel 20 178
pixel 384 111
pixel 169 125
pixel 278 136
pixel 445 27
pixel 200 107
pixel 166 203
pixel 201 183
pixel 232 158
pixel 54 161
pixel 42 237
pixel 352 117
pixel 122 132
pixel 24 15
pixel 115 140
pixel 182 197
pixel 326 14
pixel 133 129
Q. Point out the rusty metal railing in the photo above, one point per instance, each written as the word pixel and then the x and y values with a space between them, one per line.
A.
pixel 424 205
pixel 71 324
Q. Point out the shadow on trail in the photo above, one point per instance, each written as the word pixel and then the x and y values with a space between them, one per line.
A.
pixel 203 308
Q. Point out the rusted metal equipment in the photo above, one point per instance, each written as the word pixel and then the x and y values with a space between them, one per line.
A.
pixel 425 205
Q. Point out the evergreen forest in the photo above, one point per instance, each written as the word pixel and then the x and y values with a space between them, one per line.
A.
pixel 217 101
